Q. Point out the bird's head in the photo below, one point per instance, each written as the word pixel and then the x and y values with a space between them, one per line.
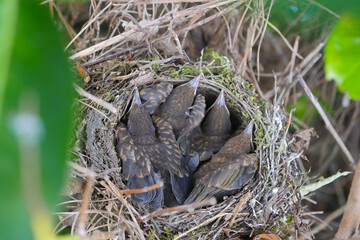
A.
pixel 188 90
pixel 217 121
pixel 139 122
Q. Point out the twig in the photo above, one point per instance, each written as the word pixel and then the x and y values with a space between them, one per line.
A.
pixel 87 25
pixel 182 208
pixel 284 39
pixel 326 222
pixel 166 18
pixel 94 108
pixel 201 224
pixel 325 8
pixel 328 124
pixel 97 100
pixel 142 190
pixel 81 230
pixel 241 203
pixel 261 40
pixel 351 219
pixel 114 190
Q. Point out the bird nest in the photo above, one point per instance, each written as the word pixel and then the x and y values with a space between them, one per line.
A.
pixel 269 203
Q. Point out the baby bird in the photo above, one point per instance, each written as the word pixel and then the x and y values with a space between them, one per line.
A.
pixel 181 110
pixel 214 131
pixel 136 163
pixel 169 162
pixel 229 170
pixel 151 149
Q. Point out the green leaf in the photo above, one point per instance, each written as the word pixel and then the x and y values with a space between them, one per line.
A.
pixel 8 17
pixel 36 89
pixel 342 51
pixel 305 190
pixel 312 187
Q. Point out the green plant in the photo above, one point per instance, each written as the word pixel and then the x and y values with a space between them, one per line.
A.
pixel 36 95
pixel 342 52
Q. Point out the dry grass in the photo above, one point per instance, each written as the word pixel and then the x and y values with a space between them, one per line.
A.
pixel 118 58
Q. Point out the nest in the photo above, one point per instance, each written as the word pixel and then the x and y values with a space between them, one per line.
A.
pixel 269 203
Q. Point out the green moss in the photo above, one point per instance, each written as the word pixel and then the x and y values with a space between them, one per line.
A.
pixel 199 230
pixel 169 230
pixel 174 74
pixel 151 234
pixel 190 71
pixel 155 67
pixel 109 97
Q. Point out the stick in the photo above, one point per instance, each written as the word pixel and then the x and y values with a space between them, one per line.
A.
pixel 87 25
pixel 95 99
pixel 142 190
pixel 112 188
pixel 241 203
pixel 201 224
pixel 328 125
pixel 166 18
pixel 81 230
pixel 351 219
pixel 182 208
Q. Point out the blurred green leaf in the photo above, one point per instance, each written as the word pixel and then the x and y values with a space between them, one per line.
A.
pixel 8 17
pixel 342 51
pixel 308 19
pixel 34 63
pixel 70 1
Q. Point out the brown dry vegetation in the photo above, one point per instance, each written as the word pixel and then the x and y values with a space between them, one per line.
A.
pixel 122 44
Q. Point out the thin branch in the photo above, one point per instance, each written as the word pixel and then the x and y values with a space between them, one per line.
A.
pixel 237 210
pixel 328 124
pixel 87 25
pixel 166 18
pixel 351 219
pixel 95 99
pixel 142 190
pixel 81 230
pixel 201 224
pixel 182 208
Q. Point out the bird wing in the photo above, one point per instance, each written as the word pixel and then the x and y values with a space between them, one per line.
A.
pixel 134 161
pixel 228 174
pixel 170 149
pixel 137 169
pixel 221 177
pixel 155 197
pixel 155 95
pixel 181 181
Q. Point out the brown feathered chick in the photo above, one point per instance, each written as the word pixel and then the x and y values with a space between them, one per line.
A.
pixel 229 170
pixel 155 143
pixel 136 162
pixel 214 131
pixel 181 110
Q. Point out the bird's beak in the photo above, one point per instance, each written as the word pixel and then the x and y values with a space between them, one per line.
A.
pixel 220 101
pixel 194 83
pixel 136 100
pixel 248 129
